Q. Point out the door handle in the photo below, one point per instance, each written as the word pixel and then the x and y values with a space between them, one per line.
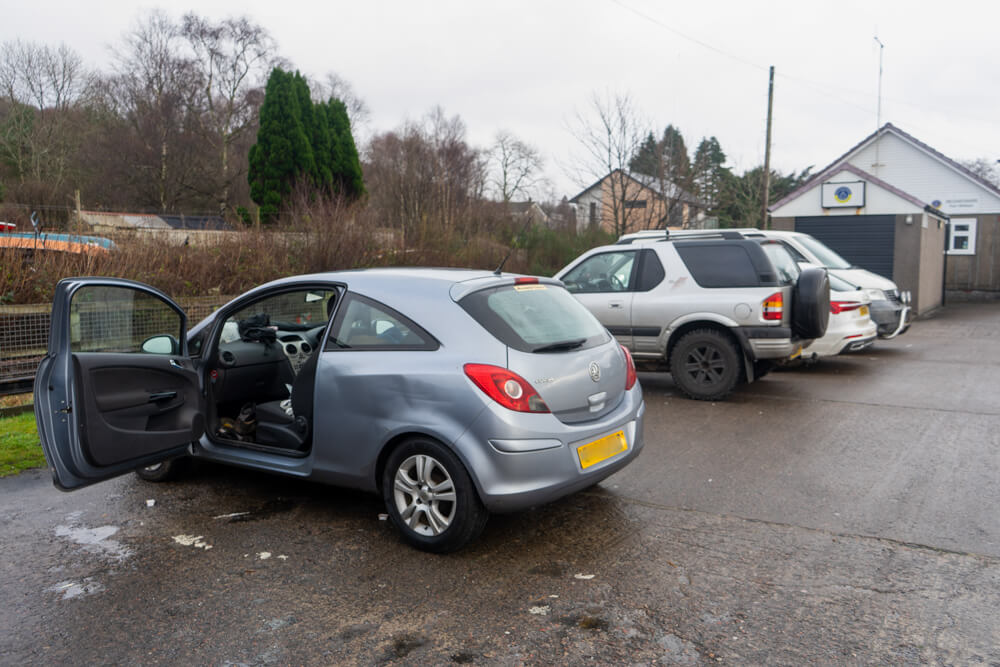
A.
pixel 176 364
pixel 614 304
pixel 158 396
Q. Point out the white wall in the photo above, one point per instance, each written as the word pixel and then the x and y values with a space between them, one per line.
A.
pixel 878 201
pixel 923 175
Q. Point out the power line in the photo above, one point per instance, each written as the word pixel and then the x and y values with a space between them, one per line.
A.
pixel 824 88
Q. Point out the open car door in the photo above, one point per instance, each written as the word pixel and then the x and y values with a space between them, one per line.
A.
pixel 116 390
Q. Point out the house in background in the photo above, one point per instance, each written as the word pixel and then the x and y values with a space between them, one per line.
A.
pixel 894 205
pixel 638 202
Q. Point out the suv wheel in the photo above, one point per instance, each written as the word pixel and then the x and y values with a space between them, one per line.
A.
pixel 705 364
pixel 811 304
pixel 431 498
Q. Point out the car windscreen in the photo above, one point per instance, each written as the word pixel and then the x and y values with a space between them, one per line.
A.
pixel 535 317
pixel 787 267
pixel 823 253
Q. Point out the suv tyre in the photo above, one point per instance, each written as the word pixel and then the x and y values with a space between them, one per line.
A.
pixel 811 304
pixel 705 364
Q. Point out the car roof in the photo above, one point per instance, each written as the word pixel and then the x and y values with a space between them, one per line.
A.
pixel 401 283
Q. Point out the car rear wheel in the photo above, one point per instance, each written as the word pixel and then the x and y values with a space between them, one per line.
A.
pixel 705 364
pixel 163 471
pixel 431 498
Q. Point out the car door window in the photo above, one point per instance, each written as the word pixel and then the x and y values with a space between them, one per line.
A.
pixel 364 324
pixel 606 272
pixel 113 319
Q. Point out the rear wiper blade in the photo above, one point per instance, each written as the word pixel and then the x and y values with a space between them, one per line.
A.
pixel 561 345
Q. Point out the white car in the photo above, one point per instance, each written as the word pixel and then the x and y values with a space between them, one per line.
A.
pixel 850 328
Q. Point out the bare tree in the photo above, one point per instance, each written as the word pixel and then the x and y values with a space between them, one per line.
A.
pixel 233 58
pixel 423 176
pixel 515 167
pixel 985 169
pixel 154 87
pixel 336 86
pixel 610 134
pixel 40 90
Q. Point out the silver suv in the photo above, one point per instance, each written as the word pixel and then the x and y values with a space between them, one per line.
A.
pixel 715 309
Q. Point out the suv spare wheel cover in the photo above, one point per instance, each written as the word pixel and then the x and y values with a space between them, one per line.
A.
pixel 811 304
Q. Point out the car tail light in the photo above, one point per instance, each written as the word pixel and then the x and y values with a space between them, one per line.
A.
pixel 525 280
pixel 630 376
pixel 837 307
pixel 506 388
pixel 774 307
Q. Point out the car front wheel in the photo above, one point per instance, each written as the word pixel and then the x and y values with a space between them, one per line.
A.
pixel 705 364
pixel 431 498
pixel 163 471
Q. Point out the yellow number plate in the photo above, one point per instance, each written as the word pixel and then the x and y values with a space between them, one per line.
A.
pixel 601 450
pixel 863 310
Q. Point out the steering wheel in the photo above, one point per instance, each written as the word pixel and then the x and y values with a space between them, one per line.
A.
pixel 616 284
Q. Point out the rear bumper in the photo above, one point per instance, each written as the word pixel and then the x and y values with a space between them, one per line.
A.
pixel 770 342
pixel 548 466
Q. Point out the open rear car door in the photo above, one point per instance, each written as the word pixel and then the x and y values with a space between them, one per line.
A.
pixel 116 390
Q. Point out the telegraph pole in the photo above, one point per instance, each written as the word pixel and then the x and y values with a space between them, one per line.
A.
pixel 767 149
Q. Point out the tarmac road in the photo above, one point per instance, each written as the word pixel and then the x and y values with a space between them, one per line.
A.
pixel 843 513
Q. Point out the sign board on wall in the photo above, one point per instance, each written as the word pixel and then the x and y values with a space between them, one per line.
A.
pixel 839 195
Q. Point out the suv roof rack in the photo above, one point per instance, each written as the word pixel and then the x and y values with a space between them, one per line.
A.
pixel 684 234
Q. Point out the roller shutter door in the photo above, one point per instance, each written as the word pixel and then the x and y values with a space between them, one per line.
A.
pixel 867 241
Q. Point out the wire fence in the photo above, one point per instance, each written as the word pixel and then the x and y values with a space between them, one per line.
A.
pixel 24 338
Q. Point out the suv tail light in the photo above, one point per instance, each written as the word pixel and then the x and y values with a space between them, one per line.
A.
pixel 630 376
pixel 773 307
pixel 506 388
pixel 837 307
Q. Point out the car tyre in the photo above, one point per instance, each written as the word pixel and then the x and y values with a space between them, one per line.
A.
pixel 430 497
pixel 163 471
pixel 705 364
pixel 811 304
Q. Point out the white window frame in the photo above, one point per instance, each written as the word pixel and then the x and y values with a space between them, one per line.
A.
pixel 969 234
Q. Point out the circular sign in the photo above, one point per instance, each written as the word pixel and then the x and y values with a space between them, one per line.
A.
pixel 842 194
pixel 936 203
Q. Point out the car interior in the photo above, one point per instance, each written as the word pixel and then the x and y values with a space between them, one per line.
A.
pixel 262 379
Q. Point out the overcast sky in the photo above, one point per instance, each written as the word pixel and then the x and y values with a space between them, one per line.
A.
pixel 529 66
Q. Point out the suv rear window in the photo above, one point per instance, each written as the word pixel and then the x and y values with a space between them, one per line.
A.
pixel 532 317
pixel 726 264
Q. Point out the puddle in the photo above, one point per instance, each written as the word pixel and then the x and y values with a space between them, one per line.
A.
pixel 95 540
pixel 76 589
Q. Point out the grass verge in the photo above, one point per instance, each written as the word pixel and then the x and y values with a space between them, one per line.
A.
pixel 19 446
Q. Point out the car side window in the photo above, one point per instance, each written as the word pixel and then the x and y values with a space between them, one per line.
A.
pixel 651 271
pixel 364 324
pixel 605 272
pixel 112 319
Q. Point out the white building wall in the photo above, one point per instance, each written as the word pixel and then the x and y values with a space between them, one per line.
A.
pixel 923 175
pixel 583 202
pixel 878 201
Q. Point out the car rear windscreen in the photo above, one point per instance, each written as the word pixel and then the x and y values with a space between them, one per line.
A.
pixel 535 317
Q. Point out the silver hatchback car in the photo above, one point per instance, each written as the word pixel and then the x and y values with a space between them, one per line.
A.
pixel 452 393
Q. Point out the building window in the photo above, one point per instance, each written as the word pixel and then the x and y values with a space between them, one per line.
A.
pixel 963 237
pixel 638 203
pixel 593 213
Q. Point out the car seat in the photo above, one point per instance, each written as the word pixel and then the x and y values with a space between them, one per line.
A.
pixel 276 427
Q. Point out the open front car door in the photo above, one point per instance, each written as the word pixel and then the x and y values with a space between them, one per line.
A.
pixel 116 390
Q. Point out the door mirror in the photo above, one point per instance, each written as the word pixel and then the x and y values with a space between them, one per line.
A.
pixel 162 344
